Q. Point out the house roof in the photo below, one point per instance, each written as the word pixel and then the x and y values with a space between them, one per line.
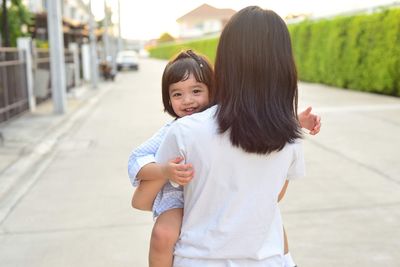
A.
pixel 207 11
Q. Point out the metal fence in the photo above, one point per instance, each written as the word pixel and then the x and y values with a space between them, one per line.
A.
pixel 41 73
pixel 13 79
pixel 13 83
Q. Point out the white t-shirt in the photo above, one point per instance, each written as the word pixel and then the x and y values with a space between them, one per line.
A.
pixel 231 216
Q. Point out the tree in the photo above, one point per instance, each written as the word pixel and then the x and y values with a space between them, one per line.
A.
pixel 165 37
pixel 13 19
pixel 5 33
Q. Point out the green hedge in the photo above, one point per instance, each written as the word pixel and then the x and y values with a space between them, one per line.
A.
pixel 360 52
pixel 207 47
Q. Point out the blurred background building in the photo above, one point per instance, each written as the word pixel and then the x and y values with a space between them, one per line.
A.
pixel 203 20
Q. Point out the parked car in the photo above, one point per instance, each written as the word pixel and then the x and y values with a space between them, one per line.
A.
pixel 127 59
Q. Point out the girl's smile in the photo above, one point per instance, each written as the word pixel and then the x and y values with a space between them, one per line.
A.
pixel 188 96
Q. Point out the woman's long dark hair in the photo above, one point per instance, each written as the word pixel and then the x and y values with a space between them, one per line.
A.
pixel 256 82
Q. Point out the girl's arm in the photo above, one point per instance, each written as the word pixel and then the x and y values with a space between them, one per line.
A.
pixel 142 169
pixel 310 121
pixel 144 155
pixel 153 177
pixel 149 176
pixel 142 163
pixel 172 170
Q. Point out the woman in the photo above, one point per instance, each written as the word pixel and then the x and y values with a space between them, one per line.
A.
pixel 242 150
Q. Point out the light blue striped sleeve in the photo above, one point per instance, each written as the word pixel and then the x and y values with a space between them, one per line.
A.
pixel 145 154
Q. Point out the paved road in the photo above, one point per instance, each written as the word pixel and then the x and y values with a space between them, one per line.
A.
pixel 76 210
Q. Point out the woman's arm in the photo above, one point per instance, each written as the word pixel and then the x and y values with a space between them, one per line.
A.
pixel 281 195
pixel 283 191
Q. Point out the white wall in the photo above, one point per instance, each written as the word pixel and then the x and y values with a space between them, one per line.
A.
pixel 190 30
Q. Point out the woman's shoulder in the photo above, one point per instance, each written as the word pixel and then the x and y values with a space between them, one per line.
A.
pixel 197 122
pixel 296 146
pixel 199 117
pixel 298 142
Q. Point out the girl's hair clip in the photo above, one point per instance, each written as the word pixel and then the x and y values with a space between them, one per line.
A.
pixel 195 57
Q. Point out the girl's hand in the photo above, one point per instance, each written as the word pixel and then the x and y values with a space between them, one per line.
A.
pixel 310 121
pixel 178 173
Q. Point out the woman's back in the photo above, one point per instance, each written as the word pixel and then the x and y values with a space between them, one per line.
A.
pixel 231 204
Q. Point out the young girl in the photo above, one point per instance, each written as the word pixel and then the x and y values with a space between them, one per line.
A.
pixel 187 86
pixel 243 149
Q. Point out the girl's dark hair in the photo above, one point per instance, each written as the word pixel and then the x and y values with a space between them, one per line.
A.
pixel 179 69
pixel 256 81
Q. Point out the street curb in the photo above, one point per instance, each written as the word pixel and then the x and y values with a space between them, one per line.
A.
pixel 21 175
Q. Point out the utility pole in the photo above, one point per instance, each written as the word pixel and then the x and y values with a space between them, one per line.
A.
pixel 119 27
pixel 57 61
pixel 106 40
pixel 93 50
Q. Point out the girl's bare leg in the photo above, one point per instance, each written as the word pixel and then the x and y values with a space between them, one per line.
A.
pixel 145 193
pixel 165 234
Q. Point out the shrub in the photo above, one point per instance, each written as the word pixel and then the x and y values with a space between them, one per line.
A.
pixel 360 52
pixel 206 47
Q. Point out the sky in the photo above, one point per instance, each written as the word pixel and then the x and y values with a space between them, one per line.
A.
pixel 148 19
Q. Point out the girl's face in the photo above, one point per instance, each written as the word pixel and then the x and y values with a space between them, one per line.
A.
pixel 188 97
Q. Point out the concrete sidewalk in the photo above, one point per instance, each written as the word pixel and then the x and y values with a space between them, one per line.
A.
pixel 65 195
pixel 29 139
